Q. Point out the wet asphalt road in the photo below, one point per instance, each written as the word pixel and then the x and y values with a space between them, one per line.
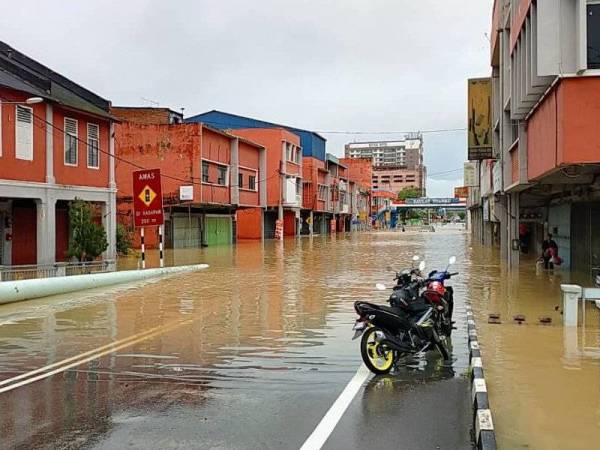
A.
pixel 246 355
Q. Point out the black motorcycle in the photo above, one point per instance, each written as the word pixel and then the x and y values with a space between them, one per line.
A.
pixel 411 324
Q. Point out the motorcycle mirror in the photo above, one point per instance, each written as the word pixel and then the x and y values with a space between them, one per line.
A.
pixel 422 266
pixel 380 287
pixel 452 260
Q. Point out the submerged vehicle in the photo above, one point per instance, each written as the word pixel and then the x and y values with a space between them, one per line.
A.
pixel 417 320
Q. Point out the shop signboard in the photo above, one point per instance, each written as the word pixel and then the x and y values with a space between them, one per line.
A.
pixel 480 118
pixel 147 198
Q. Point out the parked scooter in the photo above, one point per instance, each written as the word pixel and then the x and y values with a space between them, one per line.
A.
pixel 414 323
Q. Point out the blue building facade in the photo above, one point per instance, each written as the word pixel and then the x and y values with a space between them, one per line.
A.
pixel 313 144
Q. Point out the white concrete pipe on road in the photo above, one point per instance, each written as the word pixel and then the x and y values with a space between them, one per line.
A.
pixel 15 291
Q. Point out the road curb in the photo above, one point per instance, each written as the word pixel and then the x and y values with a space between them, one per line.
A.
pixel 485 436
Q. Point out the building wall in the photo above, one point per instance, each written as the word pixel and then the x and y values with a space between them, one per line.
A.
pixel 563 129
pixel 18 169
pixel 360 170
pixel 271 139
pixel 396 179
pixel 312 144
pixel 80 175
pixel 313 171
pixel 173 149
pixel 145 116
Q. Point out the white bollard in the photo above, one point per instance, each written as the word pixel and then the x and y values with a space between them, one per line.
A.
pixel 571 296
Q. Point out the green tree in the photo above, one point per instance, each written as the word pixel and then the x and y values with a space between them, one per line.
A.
pixel 88 239
pixel 123 239
pixel 409 192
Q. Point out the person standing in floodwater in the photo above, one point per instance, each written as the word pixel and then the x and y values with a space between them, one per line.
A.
pixel 549 251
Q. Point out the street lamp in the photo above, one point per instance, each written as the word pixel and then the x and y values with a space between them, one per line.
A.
pixel 29 101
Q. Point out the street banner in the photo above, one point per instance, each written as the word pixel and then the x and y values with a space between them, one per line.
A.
pixel 461 192
pixel 480 119
pixel 279 229
pixel 469 176
pixel 147 198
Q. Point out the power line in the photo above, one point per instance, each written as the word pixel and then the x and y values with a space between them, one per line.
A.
pixel 441 130
pixel 227 125
pixel 133 164
pixel 445 172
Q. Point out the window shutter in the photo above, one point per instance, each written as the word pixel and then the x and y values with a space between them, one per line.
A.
pixel 70 141
pixel 24 133
pixel 93 145
pixel 93 131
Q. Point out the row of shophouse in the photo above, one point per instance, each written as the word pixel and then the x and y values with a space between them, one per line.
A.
pixel 224 177
pixel 544 174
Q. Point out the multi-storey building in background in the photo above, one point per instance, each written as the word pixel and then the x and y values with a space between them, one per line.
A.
pixel 396 164
pixel 544 175
pixel 406 152
pixel 56 144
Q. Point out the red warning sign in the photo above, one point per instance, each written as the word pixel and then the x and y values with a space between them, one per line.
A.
pixel 147 198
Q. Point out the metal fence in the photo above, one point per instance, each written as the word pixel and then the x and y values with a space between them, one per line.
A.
pixel 28 272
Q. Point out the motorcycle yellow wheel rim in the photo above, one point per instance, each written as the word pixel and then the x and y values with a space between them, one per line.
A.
pixel 382 362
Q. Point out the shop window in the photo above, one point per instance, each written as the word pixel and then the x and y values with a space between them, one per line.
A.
pixel 222 178
pixel 204 172
pixel 593 36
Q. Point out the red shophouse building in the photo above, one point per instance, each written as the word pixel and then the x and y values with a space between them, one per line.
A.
pixel 55 146
pixel 283 177
pixel 223 173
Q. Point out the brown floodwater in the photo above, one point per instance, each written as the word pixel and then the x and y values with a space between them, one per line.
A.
pixel 543 380
pixel 267 328
pixel 258 343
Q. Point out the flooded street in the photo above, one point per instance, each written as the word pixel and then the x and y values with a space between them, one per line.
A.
pixel 543 381
pixel 250 353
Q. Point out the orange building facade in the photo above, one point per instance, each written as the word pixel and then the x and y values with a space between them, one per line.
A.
pixel 283 176
pixel 55 146
pixel 223 174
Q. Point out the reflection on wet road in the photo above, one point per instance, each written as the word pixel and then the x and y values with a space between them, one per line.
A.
pixel 248 354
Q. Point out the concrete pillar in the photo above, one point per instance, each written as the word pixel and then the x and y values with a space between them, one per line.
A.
pixel 311 222
pixel 109 221
pixel 111 160
pixel 234 170
pixel 513 230
pixel 49 145
pixel 46 230
pixel 280 212
pixel 262 178
pixel 571 295
pixel 502 212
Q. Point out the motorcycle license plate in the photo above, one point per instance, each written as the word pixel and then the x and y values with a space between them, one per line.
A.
pixel 359 328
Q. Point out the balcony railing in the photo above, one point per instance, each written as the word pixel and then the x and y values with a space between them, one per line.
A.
pixel 33 271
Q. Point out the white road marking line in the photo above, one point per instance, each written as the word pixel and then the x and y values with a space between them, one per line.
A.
pixel 81 355
pixel 328 423
pixel 92 357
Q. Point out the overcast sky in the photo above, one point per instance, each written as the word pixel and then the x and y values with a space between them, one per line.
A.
pixel 347 65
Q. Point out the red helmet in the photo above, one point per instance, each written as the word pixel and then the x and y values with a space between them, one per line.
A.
pixel 437 286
